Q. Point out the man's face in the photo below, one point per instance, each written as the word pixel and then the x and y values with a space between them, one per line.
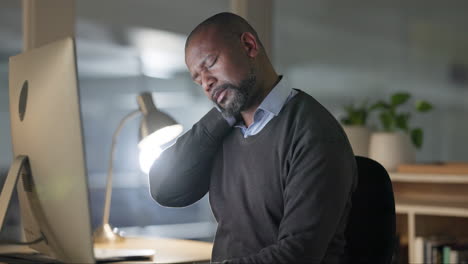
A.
pixel 222 69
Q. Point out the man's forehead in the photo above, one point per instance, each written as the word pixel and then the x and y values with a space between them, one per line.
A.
pixel 202 44
pixel 204 37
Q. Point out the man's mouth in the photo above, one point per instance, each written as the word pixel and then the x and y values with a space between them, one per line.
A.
pixel 219 94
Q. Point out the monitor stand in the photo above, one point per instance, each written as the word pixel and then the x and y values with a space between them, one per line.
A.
pixel 18 251
pixel 20 166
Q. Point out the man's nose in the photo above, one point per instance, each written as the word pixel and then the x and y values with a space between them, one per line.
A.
pixel 208 83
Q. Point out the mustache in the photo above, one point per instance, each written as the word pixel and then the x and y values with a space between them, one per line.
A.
pixel 221 88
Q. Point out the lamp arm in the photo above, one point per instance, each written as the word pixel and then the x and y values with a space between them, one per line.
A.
pixel 107 201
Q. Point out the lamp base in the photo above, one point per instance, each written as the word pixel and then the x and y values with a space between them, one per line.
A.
pixel 105 234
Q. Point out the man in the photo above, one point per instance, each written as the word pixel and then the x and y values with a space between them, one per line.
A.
pixel 278 167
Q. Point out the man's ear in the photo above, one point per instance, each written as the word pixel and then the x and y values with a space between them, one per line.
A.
pixel 250 44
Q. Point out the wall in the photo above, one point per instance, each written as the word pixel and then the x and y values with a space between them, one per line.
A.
pixel 347 52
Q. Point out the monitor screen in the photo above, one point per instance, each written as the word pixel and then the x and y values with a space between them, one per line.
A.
pixel 46 127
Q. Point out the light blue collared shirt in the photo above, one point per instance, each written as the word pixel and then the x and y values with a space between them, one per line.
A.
pixel 269 108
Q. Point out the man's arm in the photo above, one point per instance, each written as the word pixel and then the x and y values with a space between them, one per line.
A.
pixel 181 175
pixel 317 188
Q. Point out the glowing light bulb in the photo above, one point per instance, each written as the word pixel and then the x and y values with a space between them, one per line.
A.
pixel 150 146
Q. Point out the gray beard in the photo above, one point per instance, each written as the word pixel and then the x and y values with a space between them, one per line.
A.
pixel 241 96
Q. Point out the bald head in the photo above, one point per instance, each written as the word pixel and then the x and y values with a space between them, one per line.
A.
pixel 229 25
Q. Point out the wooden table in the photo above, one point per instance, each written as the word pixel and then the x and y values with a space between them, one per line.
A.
pixel 167 250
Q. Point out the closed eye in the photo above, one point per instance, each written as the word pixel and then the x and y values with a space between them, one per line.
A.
pixel 214 62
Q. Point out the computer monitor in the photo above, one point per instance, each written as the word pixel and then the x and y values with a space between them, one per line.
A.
pixel 46 128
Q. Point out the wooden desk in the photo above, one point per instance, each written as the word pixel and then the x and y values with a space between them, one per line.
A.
pixel 168 250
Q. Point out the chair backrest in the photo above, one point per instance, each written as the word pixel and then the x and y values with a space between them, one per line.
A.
pixel 370 233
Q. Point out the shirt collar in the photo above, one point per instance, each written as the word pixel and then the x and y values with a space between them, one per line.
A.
pixel 275 100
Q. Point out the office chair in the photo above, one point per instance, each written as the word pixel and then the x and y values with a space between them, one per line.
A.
pixel 370 233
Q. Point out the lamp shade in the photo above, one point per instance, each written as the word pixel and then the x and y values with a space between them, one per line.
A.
pixel 157 128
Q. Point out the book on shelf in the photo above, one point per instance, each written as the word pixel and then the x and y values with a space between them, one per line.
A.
pixel 440 250
pixel 419 250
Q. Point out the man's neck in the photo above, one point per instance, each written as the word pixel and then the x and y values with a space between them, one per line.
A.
pixel 248 114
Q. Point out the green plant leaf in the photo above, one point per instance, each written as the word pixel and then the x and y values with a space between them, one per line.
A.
pixel 400 98
pixel 346 121
pixel 417 137
pixel 387 121
pixel 355 115
pixel 379 105
pixel 423 106
pixel 401 121
pixel 358 118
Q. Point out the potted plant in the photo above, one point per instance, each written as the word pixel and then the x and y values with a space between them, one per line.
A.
pixel 354 125
pixel 396 142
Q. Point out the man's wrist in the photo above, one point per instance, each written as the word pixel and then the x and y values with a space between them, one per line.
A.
pixel 214 124
pixel 230 119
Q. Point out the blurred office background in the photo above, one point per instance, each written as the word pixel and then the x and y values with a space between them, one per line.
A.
pixel 337 51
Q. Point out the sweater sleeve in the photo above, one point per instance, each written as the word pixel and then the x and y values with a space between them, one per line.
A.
pixel 316 191
pixel 181 174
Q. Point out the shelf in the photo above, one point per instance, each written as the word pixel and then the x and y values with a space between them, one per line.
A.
pixel 429 178
pixel 428 204
pixel 432 207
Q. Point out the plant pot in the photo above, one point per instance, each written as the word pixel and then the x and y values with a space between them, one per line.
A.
pixel 391 149
pixel 359 137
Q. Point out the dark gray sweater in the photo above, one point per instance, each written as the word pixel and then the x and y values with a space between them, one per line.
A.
pixel 280 196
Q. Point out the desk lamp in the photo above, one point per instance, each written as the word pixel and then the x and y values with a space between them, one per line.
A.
pixel 157 129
